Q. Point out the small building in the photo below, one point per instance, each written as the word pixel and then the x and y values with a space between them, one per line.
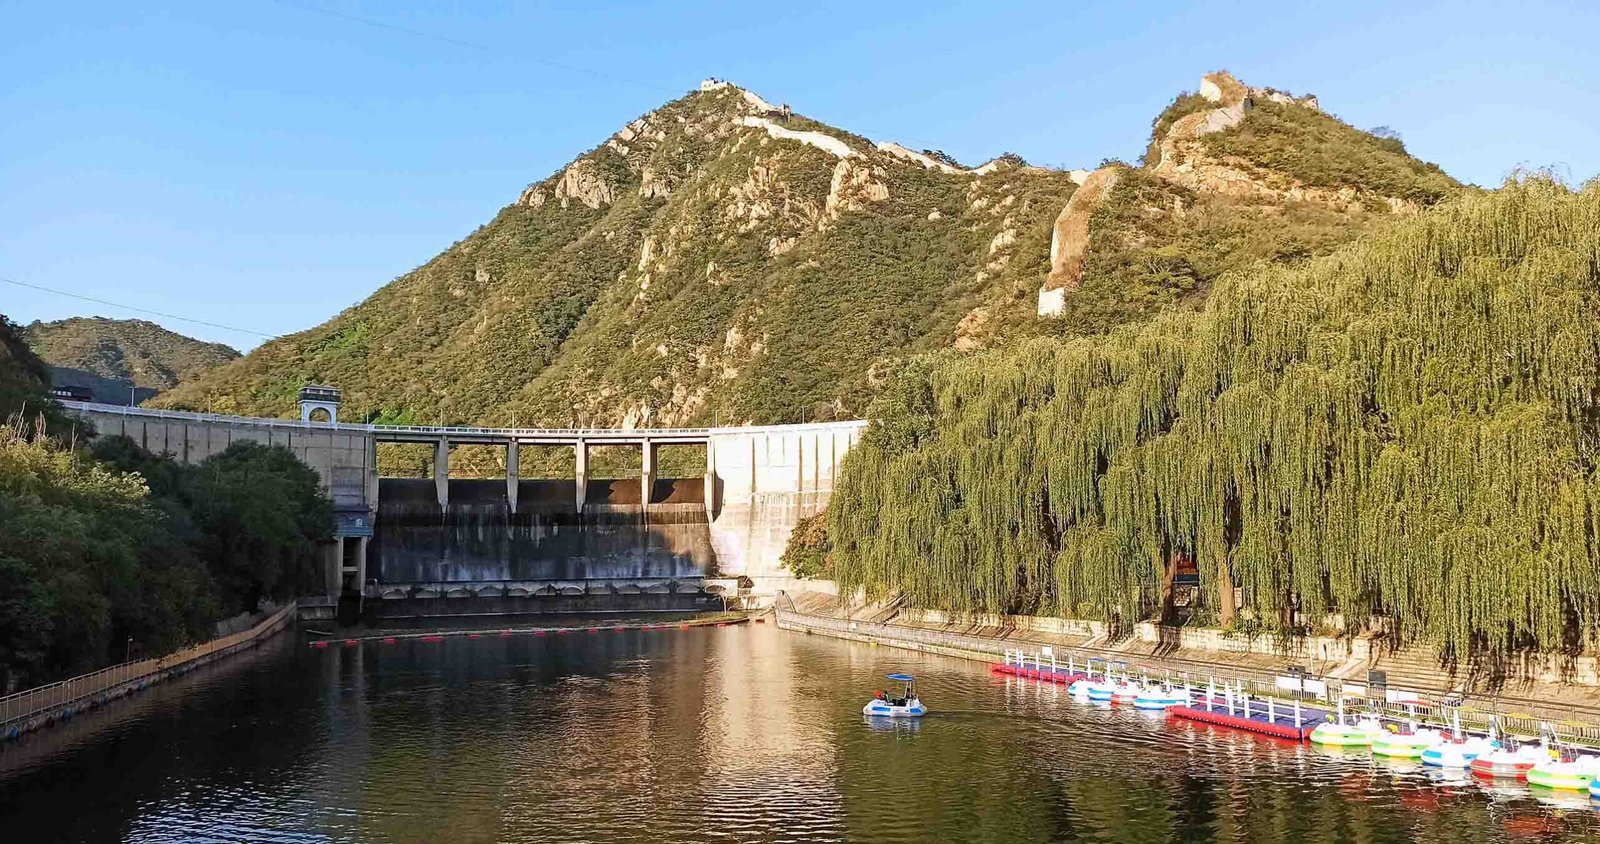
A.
pixel 319 403
pixel 71 392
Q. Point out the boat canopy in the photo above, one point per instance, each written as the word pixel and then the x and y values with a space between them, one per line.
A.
pixel 901 678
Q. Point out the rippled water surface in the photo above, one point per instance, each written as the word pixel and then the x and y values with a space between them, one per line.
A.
pixel 742 733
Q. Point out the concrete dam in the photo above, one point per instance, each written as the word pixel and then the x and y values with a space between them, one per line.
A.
pixel 413 546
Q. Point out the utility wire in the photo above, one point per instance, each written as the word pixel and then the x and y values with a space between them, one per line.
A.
pixel 139 310
pixel 470 45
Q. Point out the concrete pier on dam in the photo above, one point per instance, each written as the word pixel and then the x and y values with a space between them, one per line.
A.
pixel 443 546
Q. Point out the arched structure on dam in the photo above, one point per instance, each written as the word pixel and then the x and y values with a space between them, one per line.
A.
pixel 403 539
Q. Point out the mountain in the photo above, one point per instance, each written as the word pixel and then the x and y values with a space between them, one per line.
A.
pixel 24 385
pixel 725 259
pixel 122 352
pixel 21 371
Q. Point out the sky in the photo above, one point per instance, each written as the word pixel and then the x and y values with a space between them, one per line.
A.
pixel 260 165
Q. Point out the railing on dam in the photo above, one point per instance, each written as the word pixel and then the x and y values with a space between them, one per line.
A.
pixel 23 708
pixel 554 587
pixel 457 434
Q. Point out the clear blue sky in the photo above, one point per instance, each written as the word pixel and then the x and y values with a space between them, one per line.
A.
pixel 267 163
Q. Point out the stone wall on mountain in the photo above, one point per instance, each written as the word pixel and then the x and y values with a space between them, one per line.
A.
pixel 1234 174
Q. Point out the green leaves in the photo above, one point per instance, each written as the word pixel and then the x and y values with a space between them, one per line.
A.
pixel 1405 429
pixel 95 551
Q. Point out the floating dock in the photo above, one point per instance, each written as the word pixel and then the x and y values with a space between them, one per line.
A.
pixel 1048 675
pixel 1257 716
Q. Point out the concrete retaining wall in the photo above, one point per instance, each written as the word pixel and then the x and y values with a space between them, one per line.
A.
pixel 345 460
pixel 764 481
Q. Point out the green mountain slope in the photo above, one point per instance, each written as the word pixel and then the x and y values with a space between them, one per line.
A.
pixel 21 372
pixel 1406 429
pixel 127 350
pixel 721 259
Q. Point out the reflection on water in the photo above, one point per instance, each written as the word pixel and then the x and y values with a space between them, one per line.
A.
pixel 742 733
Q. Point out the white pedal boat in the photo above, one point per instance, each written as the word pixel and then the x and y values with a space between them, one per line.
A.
pixel 1452 753
pixel 905 706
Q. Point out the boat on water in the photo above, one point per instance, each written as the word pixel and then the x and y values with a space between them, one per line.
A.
pixel 1157 697
pixel 1407 744
pixel 907 705
pixel 1340 732
pixel 1457 752
pixel 1457 749
pixel 1106 691
pixel 1512 761
pixel 1568 773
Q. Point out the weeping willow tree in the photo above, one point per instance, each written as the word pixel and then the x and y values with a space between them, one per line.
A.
pixel 1404 430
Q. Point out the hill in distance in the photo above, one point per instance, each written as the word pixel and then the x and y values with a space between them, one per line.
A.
pixel 108 356
pixel 724 259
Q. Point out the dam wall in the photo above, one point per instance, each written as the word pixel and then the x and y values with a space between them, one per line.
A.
pixel 478 538
pixel 734 522
pixel 763 481
pixel 344 456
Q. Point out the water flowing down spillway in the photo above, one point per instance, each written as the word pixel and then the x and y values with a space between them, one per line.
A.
pixel 478 538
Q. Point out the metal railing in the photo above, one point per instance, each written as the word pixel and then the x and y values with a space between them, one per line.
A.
pixel 22 708
pixel 1257 684
pixel 444 431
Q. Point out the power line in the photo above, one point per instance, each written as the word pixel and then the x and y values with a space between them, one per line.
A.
pixel 140 310
pixel 470 45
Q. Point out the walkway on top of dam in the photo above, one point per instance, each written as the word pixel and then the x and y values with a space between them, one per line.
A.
pixel 457 435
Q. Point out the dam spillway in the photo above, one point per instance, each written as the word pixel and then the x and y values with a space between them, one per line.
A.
pixel 477 537
pixel 759 482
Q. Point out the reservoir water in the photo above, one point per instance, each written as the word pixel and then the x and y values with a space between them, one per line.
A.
pixel 742 733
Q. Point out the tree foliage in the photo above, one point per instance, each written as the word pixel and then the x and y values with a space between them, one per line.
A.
pixel 1406 429
pixel 97 550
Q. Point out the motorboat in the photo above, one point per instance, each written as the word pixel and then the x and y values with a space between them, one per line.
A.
pixel 907 705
